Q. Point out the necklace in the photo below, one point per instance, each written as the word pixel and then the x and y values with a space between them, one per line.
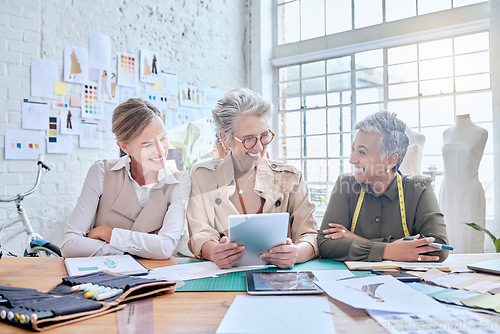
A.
pixel 240 189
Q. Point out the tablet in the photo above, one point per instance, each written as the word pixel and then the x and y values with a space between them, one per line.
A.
pixel 282 283
pixel 488 266
pixel 258 233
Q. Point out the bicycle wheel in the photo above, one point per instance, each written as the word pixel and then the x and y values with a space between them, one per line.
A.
pixel 47 250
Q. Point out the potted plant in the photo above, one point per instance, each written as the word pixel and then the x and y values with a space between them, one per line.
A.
pixel 496 241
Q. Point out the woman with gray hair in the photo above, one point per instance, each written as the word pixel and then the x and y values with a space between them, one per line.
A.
pixel 371 211
pixel 246 182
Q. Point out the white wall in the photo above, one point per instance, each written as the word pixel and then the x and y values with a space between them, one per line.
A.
pixel 203 41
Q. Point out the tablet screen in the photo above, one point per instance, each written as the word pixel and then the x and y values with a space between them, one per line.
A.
pixel 281 283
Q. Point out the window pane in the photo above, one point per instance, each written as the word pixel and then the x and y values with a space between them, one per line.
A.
pixel 313 69
pixel 436 111
pixel 459 3
pixel 407 111
pixel 338 65
pixel 315 121
pixel 472 63
pixel 339 119
pixel 316 171
pixel 471 43
pixel 289 148
pixel 433 87
pixel 367 109
pixel 313 101
pixel 313 86
pixel 337 167
pixel 312 22
pixel 367 95
pixel 339 98
pixel 430 6
pixel 289 88
pixel 433 141
pixel 289 73
pixel 290 104
pixel 371 77
pixel 472 82
pixel 402 54
pixel 478 105
pixel 403 90
pixel 369 59
pixel 288 27
pixel 434 49
pixel 367 13
pixel 338 16
pixel 402 73
pixel 436 68
pixel 290 124
pixel 399 9
pixel 339 145
pixel 339 81
pixel 315 146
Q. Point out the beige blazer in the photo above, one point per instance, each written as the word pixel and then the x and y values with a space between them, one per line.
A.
pixel 280 185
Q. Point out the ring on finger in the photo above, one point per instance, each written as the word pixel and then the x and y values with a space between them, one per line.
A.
pixel 419 259
pixel 343 231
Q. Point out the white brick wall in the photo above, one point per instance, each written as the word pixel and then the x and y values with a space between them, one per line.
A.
pixel 203 41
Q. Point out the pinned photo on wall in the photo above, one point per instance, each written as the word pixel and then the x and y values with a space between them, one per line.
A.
pixel 56 142
pixel 43 78
pixel 129 92
pixel 70 121
pixel 90 136
pixel 169 83
pixel 24 144
pixel 128 71
pixel 107 88
pixel 35 115
pixel 211 96
pixel 99 51
pixel 76 64
pixel 90 106
pixel 149 66
pixel 190 96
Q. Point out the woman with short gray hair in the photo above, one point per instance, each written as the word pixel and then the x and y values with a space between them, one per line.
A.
pixel 246 182
pixel 370 212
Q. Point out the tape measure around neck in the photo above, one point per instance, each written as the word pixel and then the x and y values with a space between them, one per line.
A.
pixel 401 206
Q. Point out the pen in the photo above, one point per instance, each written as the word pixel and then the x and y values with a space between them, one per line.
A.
pixel 433 244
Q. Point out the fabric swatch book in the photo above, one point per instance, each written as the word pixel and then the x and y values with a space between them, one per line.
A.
pixel 119 264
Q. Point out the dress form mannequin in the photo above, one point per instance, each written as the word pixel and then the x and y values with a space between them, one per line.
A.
pixel 462 197
pixel 412 162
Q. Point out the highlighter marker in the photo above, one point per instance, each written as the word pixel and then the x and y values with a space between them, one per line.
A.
pixel 433 244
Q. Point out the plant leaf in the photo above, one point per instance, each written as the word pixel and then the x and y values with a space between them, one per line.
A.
pixel 176 144
pixel 194 135
pixel 482 229
pixel 497 245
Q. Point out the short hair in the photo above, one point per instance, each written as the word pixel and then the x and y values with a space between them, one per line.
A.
pixel 235 105
pixel 391 130
pixel 130 118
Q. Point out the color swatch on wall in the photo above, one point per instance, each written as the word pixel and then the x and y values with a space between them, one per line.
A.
pixel 59 105
pixel 128 70
pixel 90 105
pixel 24 144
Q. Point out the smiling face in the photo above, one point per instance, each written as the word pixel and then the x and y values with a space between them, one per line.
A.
pixel 249 126
pixel 365 156
pixel 149 149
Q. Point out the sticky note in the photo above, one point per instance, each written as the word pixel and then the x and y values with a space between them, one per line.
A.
pixel 60 88
pixel 172 103
pixel 157 86
pixel 75 100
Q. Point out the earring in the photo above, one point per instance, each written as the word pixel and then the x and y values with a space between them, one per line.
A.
pixel 388 170
pixel 129 160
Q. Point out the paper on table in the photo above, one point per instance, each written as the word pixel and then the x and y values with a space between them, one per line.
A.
pixel 278 314
pixel 362 265
pixel 195 270
pixel 380 292
pixel 331 275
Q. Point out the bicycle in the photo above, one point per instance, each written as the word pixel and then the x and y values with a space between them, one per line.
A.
pixel 36 245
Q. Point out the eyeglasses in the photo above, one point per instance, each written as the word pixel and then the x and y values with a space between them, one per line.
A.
pixel 250 142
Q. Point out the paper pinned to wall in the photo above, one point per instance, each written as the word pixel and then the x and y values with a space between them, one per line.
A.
pixel 190 96
pixel 210 97
pixel 43 77
pixel 99 50
pixel 70 121
pixel 75 101
pixel 149 66
pixel 59 105
pixel 104 125
pixel 56 142
pixel 91 108
pixel 128 69
pixel 24 144
pixel 60 88
pixel 90 136
pixel 129 92
pixel 35 115
pixel 107 90
pixel 169 83
pixel 76 64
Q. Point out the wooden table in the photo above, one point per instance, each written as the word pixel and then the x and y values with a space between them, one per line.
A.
pixel 181 312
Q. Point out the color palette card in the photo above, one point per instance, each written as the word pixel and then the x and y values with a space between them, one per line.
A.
pixel 128 69
pixel 90 105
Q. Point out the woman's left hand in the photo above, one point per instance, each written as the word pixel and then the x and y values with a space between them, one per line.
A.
pixel 283 256
pixel 100 233
pixel 338 231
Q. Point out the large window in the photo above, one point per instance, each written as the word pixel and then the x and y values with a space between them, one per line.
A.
pixel 427 83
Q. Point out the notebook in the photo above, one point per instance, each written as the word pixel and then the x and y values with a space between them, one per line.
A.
pixel 258 233
pixel 119 264
pixel 488 266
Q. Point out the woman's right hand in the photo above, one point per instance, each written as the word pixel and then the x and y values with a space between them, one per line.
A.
pixel 410 250
pixel 225 254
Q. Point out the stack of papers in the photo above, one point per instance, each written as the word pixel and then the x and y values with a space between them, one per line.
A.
pixel 362 265
pixel 119 264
